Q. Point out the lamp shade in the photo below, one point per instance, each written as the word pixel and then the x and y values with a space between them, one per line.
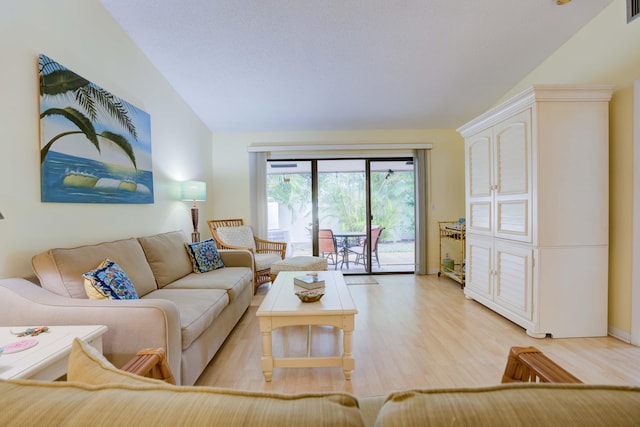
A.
pixel 194 190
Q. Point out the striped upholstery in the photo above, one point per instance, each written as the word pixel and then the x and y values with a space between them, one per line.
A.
pixel 34 403
pixel 501 406
pixel 97 395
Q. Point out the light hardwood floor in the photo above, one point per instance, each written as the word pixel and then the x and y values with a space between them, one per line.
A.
pixel 411 332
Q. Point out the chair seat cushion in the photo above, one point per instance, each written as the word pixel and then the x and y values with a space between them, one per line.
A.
pixel 264 261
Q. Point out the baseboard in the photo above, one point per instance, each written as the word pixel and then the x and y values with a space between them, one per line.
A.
pixel 619 334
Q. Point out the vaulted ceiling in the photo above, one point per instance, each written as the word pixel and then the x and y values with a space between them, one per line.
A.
pixel 283 65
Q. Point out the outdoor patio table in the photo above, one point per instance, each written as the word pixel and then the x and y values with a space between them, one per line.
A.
pixel 347 239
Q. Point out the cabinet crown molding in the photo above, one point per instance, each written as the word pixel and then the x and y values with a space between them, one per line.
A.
pixel 536 93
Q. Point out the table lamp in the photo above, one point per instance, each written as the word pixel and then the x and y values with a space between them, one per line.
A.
pixel 196 191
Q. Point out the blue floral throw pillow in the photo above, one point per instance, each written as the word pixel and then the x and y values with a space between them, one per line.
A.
pixel 109 281
pixel 204 256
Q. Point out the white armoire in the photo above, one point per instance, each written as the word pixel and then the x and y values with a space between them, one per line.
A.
pixel 537 209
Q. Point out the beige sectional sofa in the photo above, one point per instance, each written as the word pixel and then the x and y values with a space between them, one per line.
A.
pixel 97 394
pixel 188 314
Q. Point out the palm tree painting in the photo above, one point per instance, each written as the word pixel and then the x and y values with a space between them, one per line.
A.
pixel 95 147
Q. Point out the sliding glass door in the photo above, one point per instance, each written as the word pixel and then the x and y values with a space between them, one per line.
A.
pixel 392 216
pixel 357 213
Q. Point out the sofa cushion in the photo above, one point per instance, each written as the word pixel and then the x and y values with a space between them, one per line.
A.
pixel 514 405
pixel 166 256
pixel 198 308
pixel 204 256
pixel 108 281
pixel 89 366
pixel 230 279
pixel 60 270
pixel 70 404
pixel 237 236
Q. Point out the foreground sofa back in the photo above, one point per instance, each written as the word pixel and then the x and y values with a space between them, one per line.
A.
pixel 187 314
pixel 31 403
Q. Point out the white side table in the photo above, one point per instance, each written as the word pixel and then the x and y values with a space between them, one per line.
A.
pixel 49 358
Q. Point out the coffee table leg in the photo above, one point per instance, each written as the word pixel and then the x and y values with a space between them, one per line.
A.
pixel 348 362
pixel 267 351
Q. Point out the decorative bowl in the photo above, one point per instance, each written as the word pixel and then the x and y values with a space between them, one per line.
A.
pixel 310 295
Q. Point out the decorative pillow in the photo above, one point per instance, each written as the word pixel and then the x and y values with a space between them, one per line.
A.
pixel 204 256
pixel 237 236
pixel 108 281
pixel 89 366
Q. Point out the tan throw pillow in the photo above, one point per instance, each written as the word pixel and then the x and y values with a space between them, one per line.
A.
pixel 87 365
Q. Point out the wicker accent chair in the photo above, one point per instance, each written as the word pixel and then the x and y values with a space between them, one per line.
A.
pixel 233 234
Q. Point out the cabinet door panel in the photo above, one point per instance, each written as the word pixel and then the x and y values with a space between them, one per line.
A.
pixel 512 157
pixel 480 166
pixel 512 217
pixel 513 163
pixel 478 274
pixel 479 179
pixel 513 287
pixel 479 216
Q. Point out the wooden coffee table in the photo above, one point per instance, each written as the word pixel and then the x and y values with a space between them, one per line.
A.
pixel 281 307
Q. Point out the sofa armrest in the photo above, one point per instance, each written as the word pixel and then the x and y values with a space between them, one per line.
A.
pixel 236 258
pixel 132 324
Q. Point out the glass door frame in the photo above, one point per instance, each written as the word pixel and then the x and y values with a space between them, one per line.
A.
pixel 315 221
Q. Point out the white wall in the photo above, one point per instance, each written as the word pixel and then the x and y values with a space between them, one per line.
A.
pixel 231 170
pixel 82 36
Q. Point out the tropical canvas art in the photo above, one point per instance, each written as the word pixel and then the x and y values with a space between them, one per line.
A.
pixel 95 147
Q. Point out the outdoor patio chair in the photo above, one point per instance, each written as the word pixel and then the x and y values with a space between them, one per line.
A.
pixel 361 250
pixel 233 234
pixel 327 247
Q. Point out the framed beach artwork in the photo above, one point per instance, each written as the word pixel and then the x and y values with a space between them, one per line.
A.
pixel 94 146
